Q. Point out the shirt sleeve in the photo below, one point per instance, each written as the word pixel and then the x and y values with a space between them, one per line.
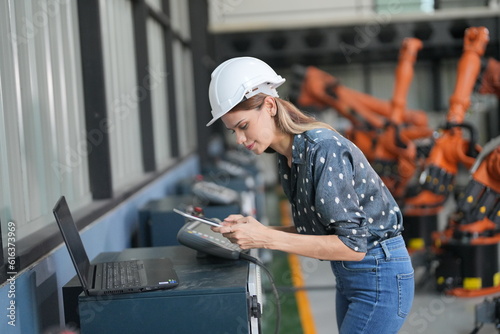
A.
pixel 336 202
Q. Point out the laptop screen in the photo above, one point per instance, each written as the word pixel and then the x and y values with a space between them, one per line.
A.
pixel 72 239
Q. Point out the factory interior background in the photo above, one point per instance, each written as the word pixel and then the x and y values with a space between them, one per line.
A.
pixel 105 102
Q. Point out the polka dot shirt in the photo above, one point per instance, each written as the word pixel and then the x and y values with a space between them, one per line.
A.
pixel 334 190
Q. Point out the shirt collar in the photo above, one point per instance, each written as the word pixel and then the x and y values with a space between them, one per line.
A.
pixel 299 149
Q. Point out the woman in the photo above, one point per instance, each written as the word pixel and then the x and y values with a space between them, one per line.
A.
pixel 341 209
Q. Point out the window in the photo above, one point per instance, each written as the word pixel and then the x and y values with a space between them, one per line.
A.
pixel 183 61
pixel 89 122
pixel 42 130
pixel 157 83
pixel 123 92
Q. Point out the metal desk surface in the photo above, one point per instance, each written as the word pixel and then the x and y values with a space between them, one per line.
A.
pixel 195 273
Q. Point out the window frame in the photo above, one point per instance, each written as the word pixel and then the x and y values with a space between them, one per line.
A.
pixel 104 199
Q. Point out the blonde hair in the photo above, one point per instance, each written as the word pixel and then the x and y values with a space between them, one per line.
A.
pixel 289 119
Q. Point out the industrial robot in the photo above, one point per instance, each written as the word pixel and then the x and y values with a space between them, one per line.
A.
pixel 466 251
pixel 451 150
pixel 487 311
pixel 469 257
pixel 395 154
pixel 316 90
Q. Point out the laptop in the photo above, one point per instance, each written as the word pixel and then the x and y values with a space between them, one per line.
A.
pixel 112 277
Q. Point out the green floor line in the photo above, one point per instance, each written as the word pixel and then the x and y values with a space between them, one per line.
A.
pixel 290 320
pixel 279 267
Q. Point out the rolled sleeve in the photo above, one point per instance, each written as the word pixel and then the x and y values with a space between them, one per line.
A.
pixel 336 201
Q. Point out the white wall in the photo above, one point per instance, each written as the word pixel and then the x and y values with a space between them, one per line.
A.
pixel 247 15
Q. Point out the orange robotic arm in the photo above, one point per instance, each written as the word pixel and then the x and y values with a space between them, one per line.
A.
pixel 479 205
pixel 451 148
pixel 395 153
pixel 490 80
pixel 367 114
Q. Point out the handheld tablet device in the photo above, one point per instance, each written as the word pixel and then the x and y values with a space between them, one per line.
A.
pixel 199 219
pixel 199 236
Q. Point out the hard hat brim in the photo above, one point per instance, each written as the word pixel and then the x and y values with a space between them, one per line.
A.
pixel 213 121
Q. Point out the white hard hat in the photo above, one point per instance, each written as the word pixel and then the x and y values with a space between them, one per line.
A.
pixel 239 78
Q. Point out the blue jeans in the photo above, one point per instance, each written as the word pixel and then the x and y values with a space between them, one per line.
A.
pixel 375 295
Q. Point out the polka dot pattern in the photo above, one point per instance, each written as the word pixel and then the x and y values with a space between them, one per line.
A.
pixel 334 190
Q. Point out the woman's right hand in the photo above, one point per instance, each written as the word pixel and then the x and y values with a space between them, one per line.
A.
pixel 227 223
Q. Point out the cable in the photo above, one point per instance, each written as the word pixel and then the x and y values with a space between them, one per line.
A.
pixel 290 289
pixel 273 287
pixel 478 327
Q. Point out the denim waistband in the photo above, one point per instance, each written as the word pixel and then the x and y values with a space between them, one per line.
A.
pixel 385 247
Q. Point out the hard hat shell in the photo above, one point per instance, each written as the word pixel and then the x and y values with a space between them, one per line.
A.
pixel 238 78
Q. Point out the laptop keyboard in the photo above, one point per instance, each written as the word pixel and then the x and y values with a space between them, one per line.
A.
pixel 122 274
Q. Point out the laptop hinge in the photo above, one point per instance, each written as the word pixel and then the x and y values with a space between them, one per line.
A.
pixel 94 277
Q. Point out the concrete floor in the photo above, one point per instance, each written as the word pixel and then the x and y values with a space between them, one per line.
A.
pixel 432 312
